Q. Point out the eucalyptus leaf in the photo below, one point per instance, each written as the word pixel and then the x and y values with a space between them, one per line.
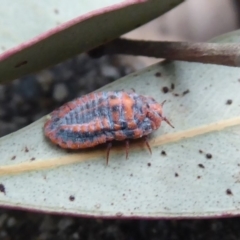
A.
pixel 194 169
pixel 53 31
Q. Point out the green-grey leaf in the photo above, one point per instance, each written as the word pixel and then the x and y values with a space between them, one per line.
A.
pixel 191 177
pixel 90 24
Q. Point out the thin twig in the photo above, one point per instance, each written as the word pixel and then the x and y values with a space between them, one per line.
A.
pixel 215 53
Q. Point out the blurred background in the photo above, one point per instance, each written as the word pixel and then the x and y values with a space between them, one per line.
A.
pixel 194 20
pixel 27 99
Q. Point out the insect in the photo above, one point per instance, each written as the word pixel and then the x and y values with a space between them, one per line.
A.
pixel 102 117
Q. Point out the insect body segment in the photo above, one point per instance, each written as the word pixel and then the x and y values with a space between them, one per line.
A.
pixel 102 117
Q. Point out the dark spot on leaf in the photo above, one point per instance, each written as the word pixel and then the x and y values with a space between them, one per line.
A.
pixel 200 151
pixel 13 158
pixel 131 175
pixel 176 94
pixel 71 198
pixel 21 64
pixel 172 86
pixel 112 203
pixel 209 155
pixel 165 89
pixel 163 153
pixel 149 164
pixel 166 208
pixel 186 92
pixel 229 192
pixel 198 177
pixel 119 214
pixel 201 165
pixel 26 149
pixel 176 175
pixel 97 206
pixel 33 158
pixel 158 74
pixel 56 11
pixel 229 102
pixel 2 188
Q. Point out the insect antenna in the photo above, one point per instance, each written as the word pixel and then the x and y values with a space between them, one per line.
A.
pixel 167 121
pixel 163 102
pixel 164 118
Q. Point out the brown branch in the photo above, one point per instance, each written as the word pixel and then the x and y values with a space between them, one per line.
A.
pixel 215 53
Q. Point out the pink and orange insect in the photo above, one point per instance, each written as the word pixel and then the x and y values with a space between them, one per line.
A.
pixel 102 117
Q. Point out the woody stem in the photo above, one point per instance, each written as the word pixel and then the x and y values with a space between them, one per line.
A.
pixel 215 53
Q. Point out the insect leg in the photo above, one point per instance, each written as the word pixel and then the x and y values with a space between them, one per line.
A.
pixel 127 148
pixel 109 146
pixel 147 143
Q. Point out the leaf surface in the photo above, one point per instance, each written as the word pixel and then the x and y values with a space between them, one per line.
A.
pixel 194 170
pixel 37 34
